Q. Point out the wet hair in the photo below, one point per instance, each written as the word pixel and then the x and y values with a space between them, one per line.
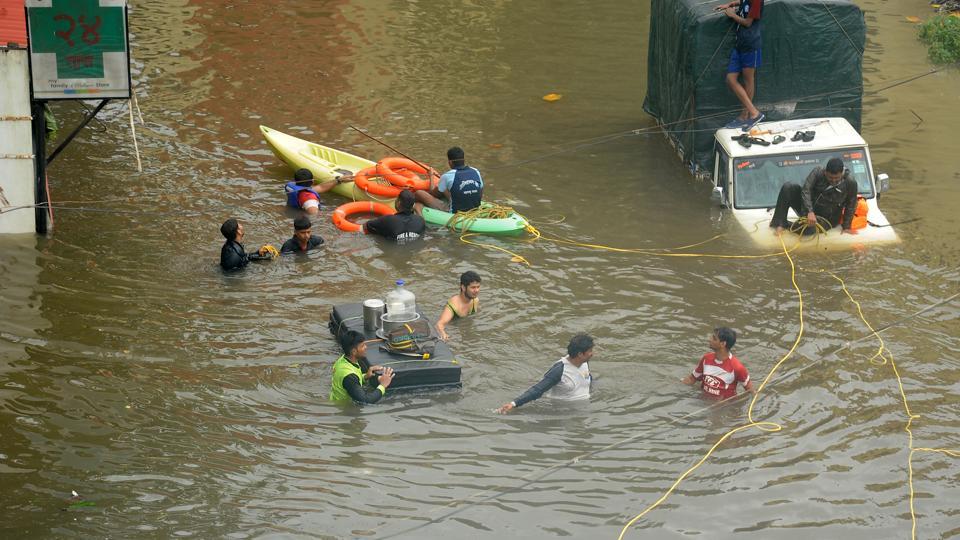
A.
pixel 229 229
pixel 302 223
pixel 456 156
pixel 726 335
pixel 405 200
pixel 835 165
pixel 579 343
pixel 350 340
pixel 303 177
pixel 469 277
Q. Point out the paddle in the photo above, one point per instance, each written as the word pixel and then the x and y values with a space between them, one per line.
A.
pixel 392 149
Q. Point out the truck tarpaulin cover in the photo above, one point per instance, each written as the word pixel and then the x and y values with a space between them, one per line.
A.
pixel 811 67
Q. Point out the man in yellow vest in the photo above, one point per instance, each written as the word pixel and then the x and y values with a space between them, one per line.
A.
pixel 353 377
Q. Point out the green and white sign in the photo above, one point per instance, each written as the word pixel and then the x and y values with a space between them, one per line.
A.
pixel 78 49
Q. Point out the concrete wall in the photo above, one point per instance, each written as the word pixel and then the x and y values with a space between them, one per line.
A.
pixel 16 144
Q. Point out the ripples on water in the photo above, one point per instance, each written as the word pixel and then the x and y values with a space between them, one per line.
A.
pixel 185 402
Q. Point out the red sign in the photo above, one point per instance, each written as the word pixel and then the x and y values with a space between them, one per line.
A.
pixel 13 23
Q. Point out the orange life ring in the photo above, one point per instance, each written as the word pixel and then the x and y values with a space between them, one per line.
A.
pixel 344 211
pixel 404 173
pixel 362 180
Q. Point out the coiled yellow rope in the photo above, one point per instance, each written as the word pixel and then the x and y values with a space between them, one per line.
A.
pixel 272 251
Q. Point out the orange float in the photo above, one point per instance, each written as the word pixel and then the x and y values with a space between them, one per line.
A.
pixel 344 211
pixel 362 181
pixel 404 173
pixel 860 214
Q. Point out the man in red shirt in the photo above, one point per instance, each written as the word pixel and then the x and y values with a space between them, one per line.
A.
pixel 719 371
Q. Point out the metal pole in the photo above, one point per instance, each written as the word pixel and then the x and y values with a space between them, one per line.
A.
pixel 40 169
pixel 76 130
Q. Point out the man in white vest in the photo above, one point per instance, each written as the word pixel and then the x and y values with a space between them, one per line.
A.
pixel 567 379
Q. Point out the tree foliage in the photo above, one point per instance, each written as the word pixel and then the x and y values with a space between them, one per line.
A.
pixel 941 33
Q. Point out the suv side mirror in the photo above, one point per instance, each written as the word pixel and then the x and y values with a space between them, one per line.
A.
pixel 883 183
pixel 717 196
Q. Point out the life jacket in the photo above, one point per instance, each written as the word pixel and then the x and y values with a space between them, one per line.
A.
pixel 341 368
pixel 466 190
pixel 859 215
pixel 293 193
pixel 574 383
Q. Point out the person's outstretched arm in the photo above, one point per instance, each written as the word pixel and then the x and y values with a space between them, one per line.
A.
pixel 549 380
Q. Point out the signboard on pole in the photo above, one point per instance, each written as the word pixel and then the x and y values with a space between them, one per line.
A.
pixel 79 49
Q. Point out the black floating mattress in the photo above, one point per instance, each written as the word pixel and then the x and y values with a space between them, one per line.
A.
pixel 441 370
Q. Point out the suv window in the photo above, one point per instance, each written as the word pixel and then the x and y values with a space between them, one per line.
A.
pixel 758 179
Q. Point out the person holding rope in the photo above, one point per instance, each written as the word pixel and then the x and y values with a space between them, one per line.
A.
pixel 232 254
pixel 404 226
pixel 303 240
pixel 744 59
pixel 458 190
pixel 719 371
pixel 830 193
pixel 463 304
pixel 567 379
pixel 354 377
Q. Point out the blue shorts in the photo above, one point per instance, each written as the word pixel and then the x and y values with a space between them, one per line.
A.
pixel 739 60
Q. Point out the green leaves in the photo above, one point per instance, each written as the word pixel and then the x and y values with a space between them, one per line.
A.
pixel 941 33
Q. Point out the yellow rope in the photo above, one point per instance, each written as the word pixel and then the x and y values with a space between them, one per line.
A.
pixel 906 406
pixel 462 221
pixel 272 251
pixel 763 426
pixel 774 427
pixel 665 252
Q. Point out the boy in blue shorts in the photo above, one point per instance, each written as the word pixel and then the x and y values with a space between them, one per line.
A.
pixel 744 59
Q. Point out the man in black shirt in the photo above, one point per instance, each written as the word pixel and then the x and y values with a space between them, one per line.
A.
pixel 402 227
pixel 827 192
pixel 302 240
pixel 232 254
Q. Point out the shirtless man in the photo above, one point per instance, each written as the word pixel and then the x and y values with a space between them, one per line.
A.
pixel 463 304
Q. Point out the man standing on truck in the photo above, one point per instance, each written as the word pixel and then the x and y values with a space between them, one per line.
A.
pixel 744 59
pixel 829 193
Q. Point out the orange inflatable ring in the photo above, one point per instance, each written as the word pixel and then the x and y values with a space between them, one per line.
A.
pixel 404 173
pixel 362 180
pixel 344 211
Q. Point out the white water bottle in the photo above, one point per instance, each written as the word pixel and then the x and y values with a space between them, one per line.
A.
pixel 401 303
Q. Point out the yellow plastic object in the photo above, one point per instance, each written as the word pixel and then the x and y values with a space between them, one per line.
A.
pixel 552 97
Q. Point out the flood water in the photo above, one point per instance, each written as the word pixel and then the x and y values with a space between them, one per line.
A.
pixel 179 401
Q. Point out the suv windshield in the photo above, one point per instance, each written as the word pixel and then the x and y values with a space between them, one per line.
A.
pixel 758 179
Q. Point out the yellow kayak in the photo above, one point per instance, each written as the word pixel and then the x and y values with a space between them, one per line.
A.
pixel 324 162
pixel 328 163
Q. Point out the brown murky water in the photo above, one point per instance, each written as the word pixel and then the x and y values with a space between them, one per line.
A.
pixel 182 402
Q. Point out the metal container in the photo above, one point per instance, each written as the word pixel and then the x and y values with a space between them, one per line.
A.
pixel 388 323
pixel 372 312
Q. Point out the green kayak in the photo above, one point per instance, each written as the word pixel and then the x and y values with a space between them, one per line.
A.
pixel 513 223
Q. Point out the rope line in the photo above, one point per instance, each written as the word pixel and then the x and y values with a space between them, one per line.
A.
pixel 652 431
pixel 842 29
pixel 770 427
pixel 888 359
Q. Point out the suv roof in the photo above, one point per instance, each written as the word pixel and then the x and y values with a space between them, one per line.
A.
pixel 830 133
